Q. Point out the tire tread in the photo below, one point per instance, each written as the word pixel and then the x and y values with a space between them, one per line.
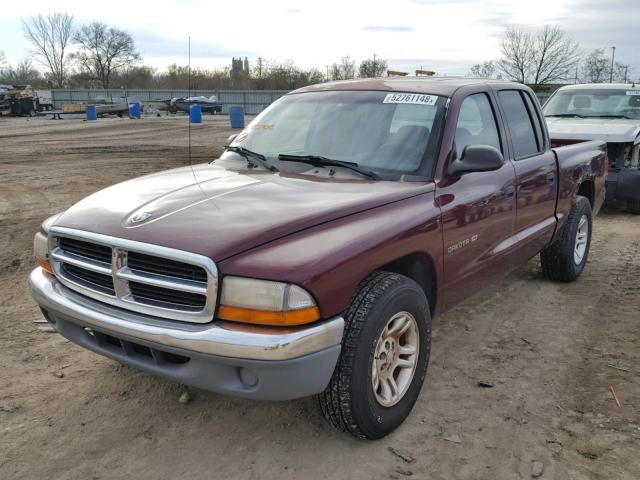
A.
pixel 335 401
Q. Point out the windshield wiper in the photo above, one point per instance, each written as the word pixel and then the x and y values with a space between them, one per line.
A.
pixel 573 115
pixel 251 157
pixel 609 116
pixel 320 161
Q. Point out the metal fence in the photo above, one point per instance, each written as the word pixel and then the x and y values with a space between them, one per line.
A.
pixel 254 101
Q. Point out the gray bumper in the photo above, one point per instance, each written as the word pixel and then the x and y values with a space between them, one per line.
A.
pixel 268 365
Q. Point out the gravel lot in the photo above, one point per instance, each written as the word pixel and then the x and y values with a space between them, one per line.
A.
pixel 551 351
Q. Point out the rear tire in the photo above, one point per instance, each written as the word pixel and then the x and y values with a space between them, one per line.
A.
pixel 565 258
pixel 634 206
pixel 375 340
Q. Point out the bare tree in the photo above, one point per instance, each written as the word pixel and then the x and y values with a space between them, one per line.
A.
pixel 104 50
pixel 621 72
pixel 372 68
pixel 596 67
pixel 543 57
pixel 554 56
pixel 516 48
pixel 23 74
pixel 3 60
pixel 345 70
pixel 485 69
pixel 50 38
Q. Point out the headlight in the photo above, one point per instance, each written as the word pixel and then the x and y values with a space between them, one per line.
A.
pixel 41 251
pixel 41 243
pixel 265 302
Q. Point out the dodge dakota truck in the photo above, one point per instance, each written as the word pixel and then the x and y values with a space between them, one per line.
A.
pixel 310 258
pixel 611 112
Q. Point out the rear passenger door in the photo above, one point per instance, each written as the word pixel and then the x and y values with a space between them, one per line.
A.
pixel 536 173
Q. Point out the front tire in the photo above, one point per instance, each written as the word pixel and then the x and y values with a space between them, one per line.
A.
pixel 384 358
pixel 565 258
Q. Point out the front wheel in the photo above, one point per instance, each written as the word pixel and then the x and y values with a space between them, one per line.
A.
pixel 565 258
pixel 384 358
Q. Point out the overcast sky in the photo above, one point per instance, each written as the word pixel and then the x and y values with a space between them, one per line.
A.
pixel 445 36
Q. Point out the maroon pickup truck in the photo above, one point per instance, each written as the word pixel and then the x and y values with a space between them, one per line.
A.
pixel 311 256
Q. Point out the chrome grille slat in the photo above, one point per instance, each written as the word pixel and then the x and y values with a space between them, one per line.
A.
pixel 82 277
pixel 162 281
pixel 186 290
pixel 83 262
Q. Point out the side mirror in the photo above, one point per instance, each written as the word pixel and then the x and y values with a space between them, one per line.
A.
pixel 231 138
pixel 477 158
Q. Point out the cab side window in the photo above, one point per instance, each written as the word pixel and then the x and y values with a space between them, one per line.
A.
pixel 476 124
pixel 526 141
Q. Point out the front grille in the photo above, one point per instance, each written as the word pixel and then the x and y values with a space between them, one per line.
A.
pixel 93 251
pixel 166 297
pixel 141 277
pixel 162 266
pixel 96 280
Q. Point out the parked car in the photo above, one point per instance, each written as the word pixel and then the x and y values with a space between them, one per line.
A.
pixel 312 255
pixel 608 112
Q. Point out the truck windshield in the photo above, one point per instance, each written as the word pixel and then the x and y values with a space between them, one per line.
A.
pixel 598 103
pixel 386 133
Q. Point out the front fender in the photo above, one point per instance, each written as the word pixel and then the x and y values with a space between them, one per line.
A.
pixel 331 259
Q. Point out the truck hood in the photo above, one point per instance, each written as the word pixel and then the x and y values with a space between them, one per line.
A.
pixel 225 212
pixel 608 129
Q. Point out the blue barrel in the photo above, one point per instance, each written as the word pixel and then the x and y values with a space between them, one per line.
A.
pixel 134 109
pixel 236 115
pixel 91 112
pixel 195 113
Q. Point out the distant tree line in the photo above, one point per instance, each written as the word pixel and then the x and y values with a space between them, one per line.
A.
pixel 96 55
pixel 548 56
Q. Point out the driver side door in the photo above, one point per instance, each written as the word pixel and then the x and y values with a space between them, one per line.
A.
pixel 478 208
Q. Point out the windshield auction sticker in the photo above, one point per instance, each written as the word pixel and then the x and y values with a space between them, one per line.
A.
pixel 413 98
pixel 633 92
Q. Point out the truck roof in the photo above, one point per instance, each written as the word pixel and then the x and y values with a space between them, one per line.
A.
pixel 444 86
pixel 602 86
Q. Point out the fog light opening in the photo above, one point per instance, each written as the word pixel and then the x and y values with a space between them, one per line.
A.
pixel 248 378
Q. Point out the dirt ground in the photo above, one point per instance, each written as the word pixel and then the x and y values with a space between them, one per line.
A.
pixel 551 351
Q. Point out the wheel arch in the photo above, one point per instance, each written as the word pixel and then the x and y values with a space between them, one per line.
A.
pixel 420 268
pixel 587 189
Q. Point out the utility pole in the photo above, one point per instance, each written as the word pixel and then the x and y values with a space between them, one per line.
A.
pixel 626 68
pixel 327 73
pixel 613 55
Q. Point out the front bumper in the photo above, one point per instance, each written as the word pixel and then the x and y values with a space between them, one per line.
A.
pixel 255 363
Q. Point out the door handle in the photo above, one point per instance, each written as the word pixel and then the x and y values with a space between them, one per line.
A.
pixel 551 178
pixel 510 192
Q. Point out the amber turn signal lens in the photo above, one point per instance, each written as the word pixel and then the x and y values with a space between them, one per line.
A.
pixel 267 317
pixel 46 266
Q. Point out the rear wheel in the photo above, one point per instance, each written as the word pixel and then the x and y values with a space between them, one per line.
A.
pixel 634 206
pixel 565 258
pixel 383 363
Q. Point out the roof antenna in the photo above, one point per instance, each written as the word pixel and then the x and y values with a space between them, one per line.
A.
pixel 189 100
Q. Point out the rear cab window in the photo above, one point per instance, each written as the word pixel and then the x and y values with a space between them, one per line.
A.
pixel 520 117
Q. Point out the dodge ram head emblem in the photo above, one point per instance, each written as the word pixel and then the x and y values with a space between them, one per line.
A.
pixel 140 217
